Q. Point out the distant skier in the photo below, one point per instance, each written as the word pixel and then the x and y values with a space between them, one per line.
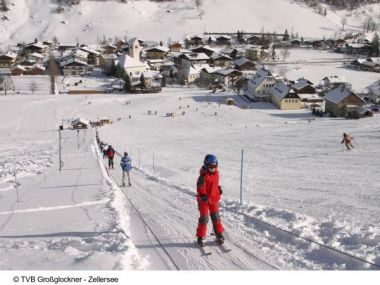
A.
pixel 110 155
pixel 347 140
pixel 208 197
pixel 105 148
pixel 126 167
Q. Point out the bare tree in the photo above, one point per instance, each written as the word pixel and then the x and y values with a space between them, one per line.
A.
pixel 33 86
pixel 343 21
pixel 285 53
pixel 4 6
pixel 52 73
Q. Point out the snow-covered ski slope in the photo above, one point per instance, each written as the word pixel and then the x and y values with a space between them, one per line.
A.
pixel 92 20
pixel 56 220
pixel 297 176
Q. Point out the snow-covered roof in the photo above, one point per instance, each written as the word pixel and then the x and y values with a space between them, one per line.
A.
pixel 280 90
pixel 375 87
pixel 220 56
pixel 80 120
pixel 19 67
pixel 72 60
pixel 196 56
pixel 309 96
pixel 338 95
pixel 39 66
pixel 159 48
pixel 241 61
pixel 227 71
pixel 259 77
pixel 127 61
pixel 211 69
pixel 223 37
pixel 89 50
pixel 37 45
pixel 336 79
pixel 374 59
pixel 35 54
pixel 302 83
pixel 9 55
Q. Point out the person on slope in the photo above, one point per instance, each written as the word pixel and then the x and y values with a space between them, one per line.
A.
pixel 110 155
pixel 208 197
pixel 126 167
pixel 347 140
pixel 105 148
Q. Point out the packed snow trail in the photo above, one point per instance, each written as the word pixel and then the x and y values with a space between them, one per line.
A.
pixel 161 207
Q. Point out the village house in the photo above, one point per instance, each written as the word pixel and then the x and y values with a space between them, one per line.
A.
pixel 295 43
pixel 208 75
pixel 223 40
pixel 235 53
pixel 8 59
pixel 374 92
pixel 204 49
pixel 18 70
pixel 370 64
pixel 222 60
pixel 191 59
pixel 36 69
pixel 175 47
pixel 285 98
pixel 93 56
pixel 194 41
pixel 307 92
pixel 157 52
pixel 109 49
pixel 357 48
pixel 62 47
pixel 190 73
pixel 341 101
pixel 331 82
pixel 254 40
pixel 244 64
pixel 259 86
pixel 35 48
pixel 255 53
pixel 74 67
pixel 35 57
pixel 227 76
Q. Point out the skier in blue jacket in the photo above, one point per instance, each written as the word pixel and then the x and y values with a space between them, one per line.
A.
pixel 126 167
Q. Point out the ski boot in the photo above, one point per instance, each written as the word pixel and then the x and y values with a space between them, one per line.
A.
pixel 201 241
pixel 219 238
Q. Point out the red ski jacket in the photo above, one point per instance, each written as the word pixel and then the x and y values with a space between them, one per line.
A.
pixel 208 184
pixel 110 153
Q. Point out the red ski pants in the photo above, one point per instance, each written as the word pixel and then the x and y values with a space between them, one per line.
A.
pixel 204 209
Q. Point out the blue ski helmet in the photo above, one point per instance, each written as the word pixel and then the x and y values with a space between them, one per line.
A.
pixel 210 159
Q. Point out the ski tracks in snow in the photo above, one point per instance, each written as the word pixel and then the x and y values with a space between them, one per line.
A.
pixel 170 212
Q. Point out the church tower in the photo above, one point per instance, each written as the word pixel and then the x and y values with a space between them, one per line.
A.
pixel 134 49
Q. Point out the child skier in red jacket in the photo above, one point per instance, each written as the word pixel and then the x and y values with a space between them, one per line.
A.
pixel 208 197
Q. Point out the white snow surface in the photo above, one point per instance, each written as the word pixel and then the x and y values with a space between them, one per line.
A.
pixel 87 22
pixel 297 176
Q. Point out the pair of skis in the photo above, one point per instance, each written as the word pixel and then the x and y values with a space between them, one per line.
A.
pixel 220 244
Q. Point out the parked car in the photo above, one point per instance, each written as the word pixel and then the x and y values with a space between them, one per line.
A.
pixel 374 108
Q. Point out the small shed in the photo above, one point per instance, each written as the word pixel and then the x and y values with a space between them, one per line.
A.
pixel 230 101
pixel 80 123
pixel 105 120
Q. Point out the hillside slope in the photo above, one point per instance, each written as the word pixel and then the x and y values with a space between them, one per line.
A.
pixel 87 21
